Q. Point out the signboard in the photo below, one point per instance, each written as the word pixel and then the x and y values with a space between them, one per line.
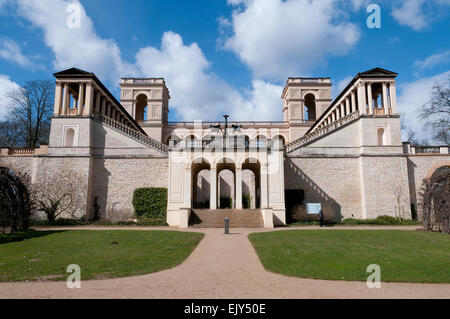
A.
pixel 313 208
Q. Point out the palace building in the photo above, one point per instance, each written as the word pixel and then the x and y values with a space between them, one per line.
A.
pixel 345 154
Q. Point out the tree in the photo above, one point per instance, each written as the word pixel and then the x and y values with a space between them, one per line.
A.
pixel 9 134
pixel 435 201
pixel 31 110
pixel 60 195
pixel 16 201
pixel 436 112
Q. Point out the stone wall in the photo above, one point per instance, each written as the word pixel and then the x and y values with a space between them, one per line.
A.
pixel 421 167
pixel 385 181
pixel 334 182
pixel 115 179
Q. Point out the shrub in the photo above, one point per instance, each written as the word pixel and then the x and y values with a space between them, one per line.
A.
pixel 226 202
pixel 60 222
pixel 246 201
pixel 150 203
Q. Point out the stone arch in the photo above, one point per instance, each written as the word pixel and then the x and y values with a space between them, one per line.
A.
pixel 254 165
pixel 310 107
pixel 142 109
pixel 278 141
pixel 436 167
pixel 200 182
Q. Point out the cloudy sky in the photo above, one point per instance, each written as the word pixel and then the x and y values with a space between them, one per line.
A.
pixel 234 56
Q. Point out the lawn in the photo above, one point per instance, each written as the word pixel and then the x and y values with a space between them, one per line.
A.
pixel 41 255
pixel 404 256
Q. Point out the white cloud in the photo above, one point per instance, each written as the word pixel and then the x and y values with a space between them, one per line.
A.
pixel 340 86
pixel 199 94
pixel 277 39
pixel 6 86
pixel 74 47
pixel 415 94
pixel 411 14
pixel 417 14
pixel 433 60
pixel 11 51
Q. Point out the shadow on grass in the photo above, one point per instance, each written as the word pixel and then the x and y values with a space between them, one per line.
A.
pixel 23 235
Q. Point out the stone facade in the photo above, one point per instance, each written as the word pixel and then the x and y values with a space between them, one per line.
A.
pixel 346 154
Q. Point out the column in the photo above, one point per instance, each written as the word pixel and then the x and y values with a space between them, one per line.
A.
pixel 353 101
pixel 66 98
pixel 347 105
pixel 188 187
pixel 80 99
pixel 213 188
pixel 369 97
pixel 103 110
pixel 361 98
pixel 385 101
pixel 264 191
pixel 342 109
pixel 97 103
pixel 333 116
pixel 393 97
pixel 89 98
pixel 238 187
pixel 58 98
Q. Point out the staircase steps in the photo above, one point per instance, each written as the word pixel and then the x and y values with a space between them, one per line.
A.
pixel 239 218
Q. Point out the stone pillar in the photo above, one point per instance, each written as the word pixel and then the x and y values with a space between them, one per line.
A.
pixel 347 105
pixel 66 99
pixel 342 109
pixel 97 103
pixel 187 187
pixel 353 101
pixel 58 98
pixel 369 97
pixel 393 97
pixel 103 110
pixel 80 99
pixel 213 188
pixel 238 187
pixel 385 101
pixel 333 116
pixel 361 98
pixel 264 190
pixel 89 98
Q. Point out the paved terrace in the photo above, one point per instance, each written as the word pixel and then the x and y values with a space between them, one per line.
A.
pixel 222 266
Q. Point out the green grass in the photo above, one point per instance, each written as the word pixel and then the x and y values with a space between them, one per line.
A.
pixel 38 255
pixel 404 256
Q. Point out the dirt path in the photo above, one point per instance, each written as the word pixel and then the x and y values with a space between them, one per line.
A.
pixel 222 266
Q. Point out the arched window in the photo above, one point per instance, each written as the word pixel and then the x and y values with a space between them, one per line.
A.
pixel 142 108
pixel 381 137
pixel 70 136
pixel 310 107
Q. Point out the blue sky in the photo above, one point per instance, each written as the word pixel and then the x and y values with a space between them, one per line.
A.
pixel 232 56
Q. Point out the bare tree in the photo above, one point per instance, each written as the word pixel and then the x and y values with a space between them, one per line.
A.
pixel 435 201
pixel 437 111
pixel 31 109
pixel 9 136
pixel 62 195
pixel 398 191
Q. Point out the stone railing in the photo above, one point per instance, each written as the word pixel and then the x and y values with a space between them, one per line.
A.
pixel 429 150
pixel 318 132
pixel 26 151
pixel 132 133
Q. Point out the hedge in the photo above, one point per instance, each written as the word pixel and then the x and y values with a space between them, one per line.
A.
pixel 150 203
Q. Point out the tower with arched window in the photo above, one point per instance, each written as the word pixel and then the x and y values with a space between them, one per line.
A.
pixel 147 100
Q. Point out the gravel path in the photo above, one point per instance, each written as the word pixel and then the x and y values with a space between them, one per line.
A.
pixel 222 266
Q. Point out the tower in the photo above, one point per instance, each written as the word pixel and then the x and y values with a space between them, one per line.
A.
pixel 147 101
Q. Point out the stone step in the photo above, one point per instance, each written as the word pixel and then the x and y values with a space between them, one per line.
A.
pixel 242 218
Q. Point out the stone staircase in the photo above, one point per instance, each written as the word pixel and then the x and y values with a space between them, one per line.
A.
pixel 239 218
